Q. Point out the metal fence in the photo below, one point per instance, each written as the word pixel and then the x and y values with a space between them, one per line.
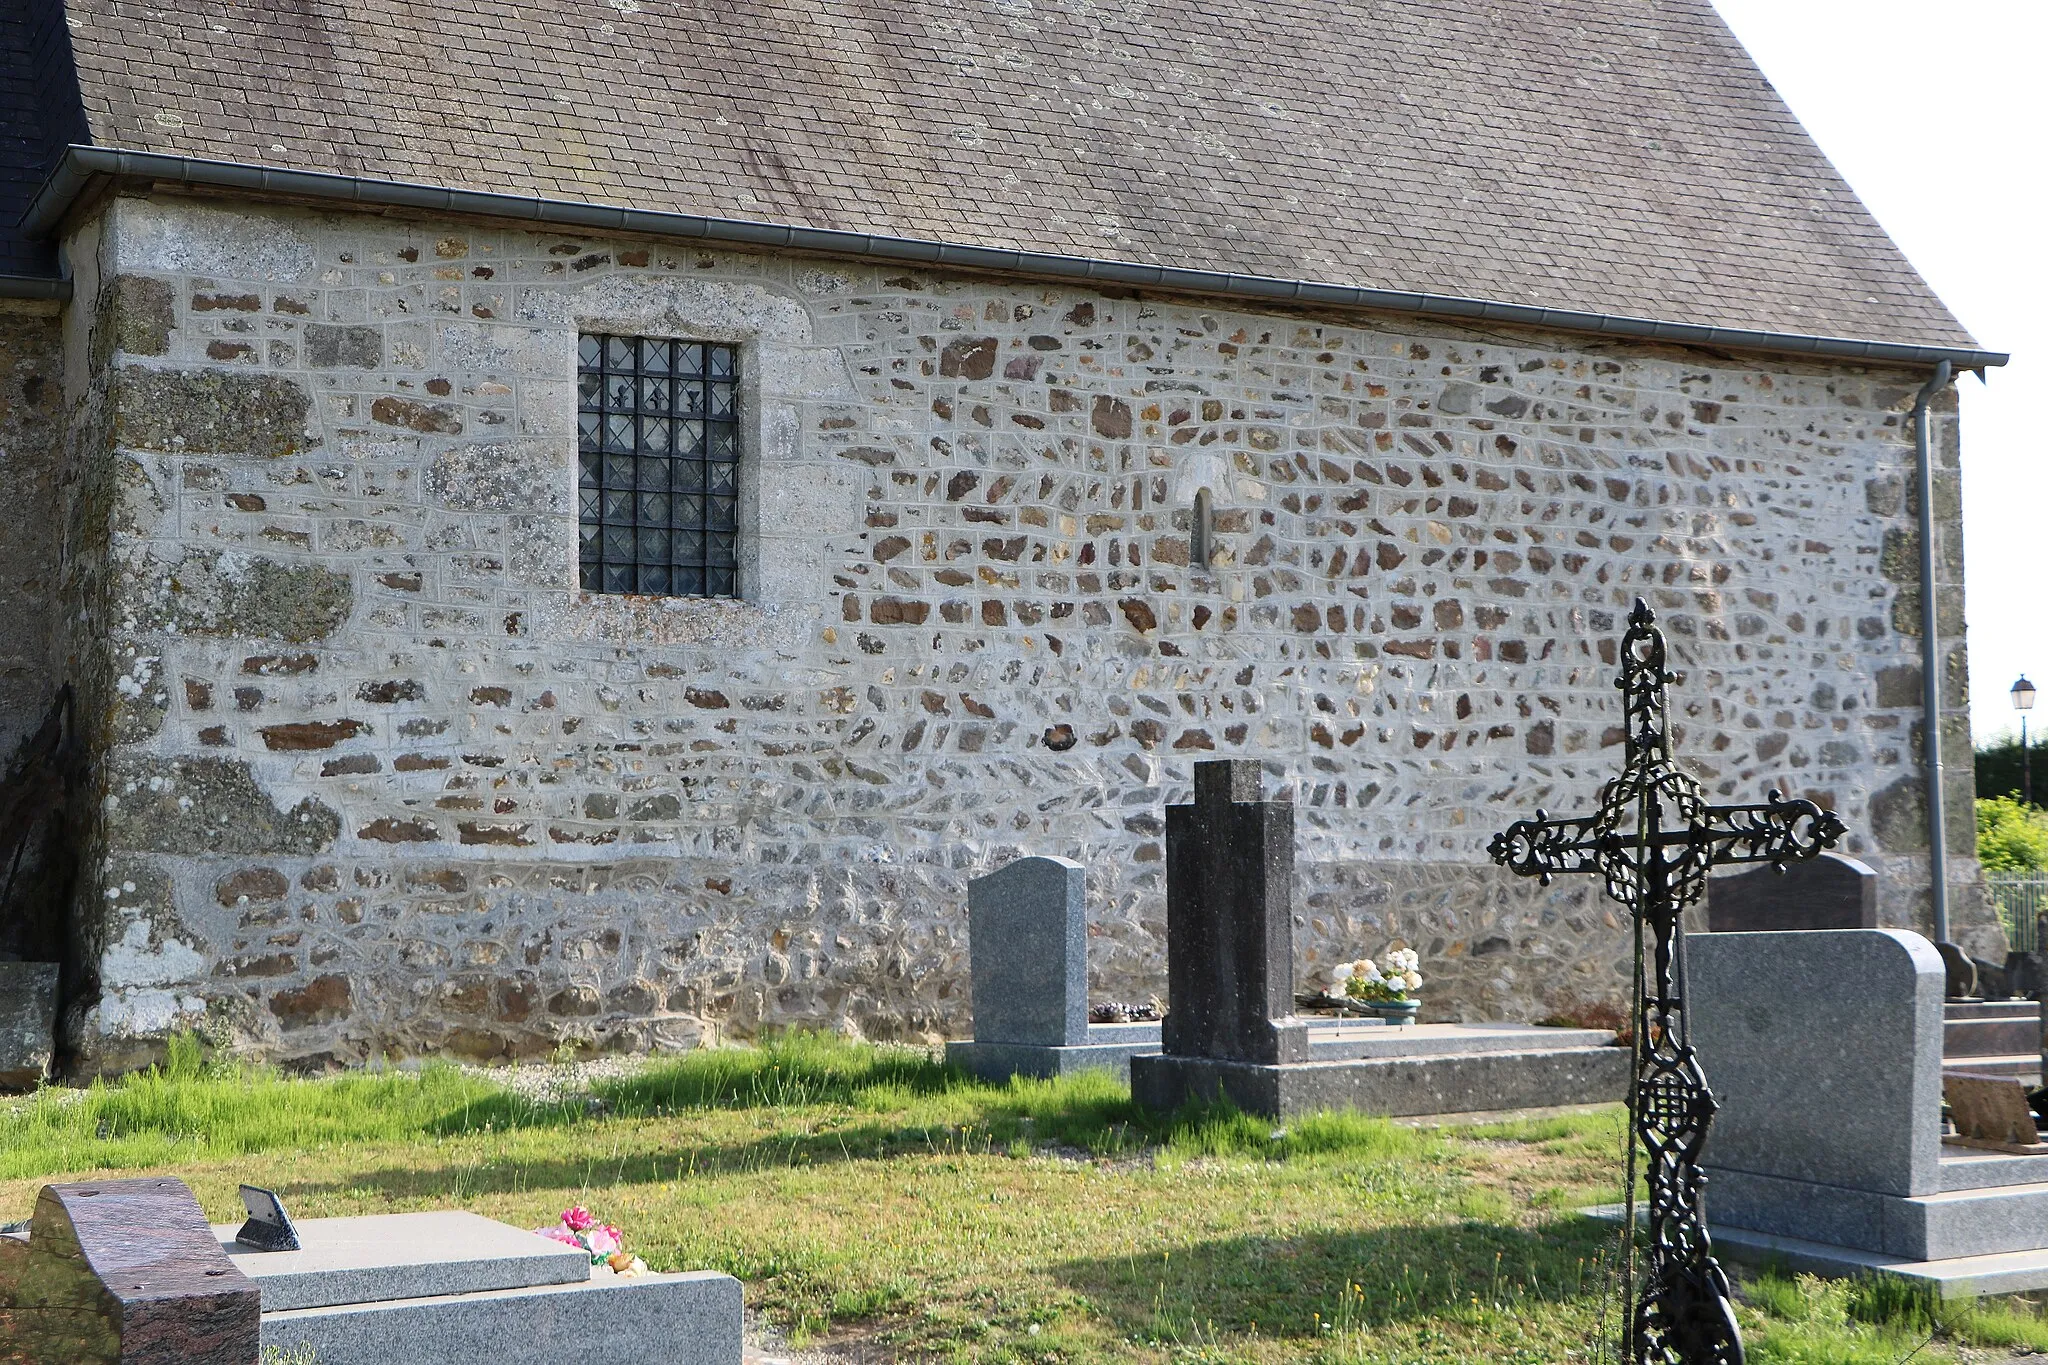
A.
pixel 2021 898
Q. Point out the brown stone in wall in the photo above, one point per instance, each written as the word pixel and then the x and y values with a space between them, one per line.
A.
pixel 432 418
pixel 251 884
pixel 968 358
pixel 391 831
pixel 323 1000
pixel 310 734
pixel 896 611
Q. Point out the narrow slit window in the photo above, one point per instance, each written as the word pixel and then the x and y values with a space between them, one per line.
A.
pixel 658 452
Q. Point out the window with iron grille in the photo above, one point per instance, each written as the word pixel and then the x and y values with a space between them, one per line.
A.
pixel 658 436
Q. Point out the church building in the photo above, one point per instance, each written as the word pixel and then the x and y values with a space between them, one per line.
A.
pixel 589 521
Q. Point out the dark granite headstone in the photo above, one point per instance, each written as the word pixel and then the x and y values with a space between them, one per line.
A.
pixel 1962 973
pixel 1828 892
pixel 1230 921
pixel 1028 930
pixel 127 1272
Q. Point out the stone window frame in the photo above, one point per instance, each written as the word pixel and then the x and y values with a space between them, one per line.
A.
pixel 791 499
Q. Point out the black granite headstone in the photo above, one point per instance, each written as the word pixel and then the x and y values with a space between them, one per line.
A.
pixel 1828 892
pixel 1230 921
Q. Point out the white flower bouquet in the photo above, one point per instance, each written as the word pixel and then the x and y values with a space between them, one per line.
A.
pixel 1391 981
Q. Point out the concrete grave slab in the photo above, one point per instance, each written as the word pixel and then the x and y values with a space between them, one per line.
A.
pixel 687 1319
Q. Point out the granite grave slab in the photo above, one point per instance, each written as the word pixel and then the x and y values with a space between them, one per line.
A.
pixel 1027 927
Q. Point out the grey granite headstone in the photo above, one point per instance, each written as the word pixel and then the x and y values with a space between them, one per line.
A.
pixel 1028 944
pixel 28 1023
pixel 1230 921
pixel 1824 1050
pixel 1028 936
pixel 1827 892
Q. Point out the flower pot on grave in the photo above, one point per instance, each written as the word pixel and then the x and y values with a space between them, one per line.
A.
pixel 1395 1011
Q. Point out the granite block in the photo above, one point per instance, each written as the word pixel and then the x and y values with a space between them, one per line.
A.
pixel 126 1272
pixel 688 1319
pixel 998 1062
pixel 1978 1222
pixel 2011 1272
pixel 1028 947
pixel 402 1256
pixel 1438 1083
pixel 1824 1051
pixel 28 1023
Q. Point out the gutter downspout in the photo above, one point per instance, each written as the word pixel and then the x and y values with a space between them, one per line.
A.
pixel 1930 653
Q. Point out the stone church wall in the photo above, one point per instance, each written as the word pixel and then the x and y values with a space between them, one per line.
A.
pixel 379 777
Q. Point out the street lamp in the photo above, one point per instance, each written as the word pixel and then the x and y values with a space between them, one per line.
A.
pixel 2023 702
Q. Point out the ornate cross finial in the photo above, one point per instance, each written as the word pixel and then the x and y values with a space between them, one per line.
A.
pixel 1652 840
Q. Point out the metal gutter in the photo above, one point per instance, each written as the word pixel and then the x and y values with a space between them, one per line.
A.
pixel 80 165
pixel 34 287
pixel 1930 652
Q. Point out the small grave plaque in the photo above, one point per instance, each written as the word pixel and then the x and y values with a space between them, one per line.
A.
pixel 269 1227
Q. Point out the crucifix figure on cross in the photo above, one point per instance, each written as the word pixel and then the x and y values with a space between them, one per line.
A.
pixel 1652 840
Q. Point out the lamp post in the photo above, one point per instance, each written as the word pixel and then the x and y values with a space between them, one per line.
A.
pixel 2023 702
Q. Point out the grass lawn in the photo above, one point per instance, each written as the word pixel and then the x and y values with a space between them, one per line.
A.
pixel 868 1192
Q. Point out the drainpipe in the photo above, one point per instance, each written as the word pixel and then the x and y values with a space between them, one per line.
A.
pixel 1930 652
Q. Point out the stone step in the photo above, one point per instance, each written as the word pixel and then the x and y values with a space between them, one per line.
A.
pixel 1999 1064
pixel 1991 1009
pixel 1984 1221
pixel 2010 1272
pixel 1990 1037
pixel 688 1319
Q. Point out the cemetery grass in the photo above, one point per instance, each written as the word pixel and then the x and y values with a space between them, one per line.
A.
pixel 868 1193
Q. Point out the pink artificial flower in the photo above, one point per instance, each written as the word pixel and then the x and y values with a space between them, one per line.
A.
pixel 577 1218
pixel 604 1240
pixel 558 1233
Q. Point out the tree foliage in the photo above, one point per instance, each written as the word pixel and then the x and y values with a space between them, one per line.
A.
pixel 1998 767
pixel 2011 835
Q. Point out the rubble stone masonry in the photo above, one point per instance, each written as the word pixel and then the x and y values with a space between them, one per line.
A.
pixel 379 778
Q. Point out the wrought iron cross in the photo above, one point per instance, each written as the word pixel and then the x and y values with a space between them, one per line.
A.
pixel 1652 840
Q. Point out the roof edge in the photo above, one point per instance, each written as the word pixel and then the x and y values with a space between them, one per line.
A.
pixel 34 287
pixel 80 165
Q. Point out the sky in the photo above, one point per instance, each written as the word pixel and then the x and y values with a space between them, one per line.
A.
pixel 1937 115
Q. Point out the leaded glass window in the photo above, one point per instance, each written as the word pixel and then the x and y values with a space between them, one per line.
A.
pixel 658 437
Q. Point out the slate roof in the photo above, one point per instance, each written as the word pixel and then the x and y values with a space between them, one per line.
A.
pixel 1612 156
